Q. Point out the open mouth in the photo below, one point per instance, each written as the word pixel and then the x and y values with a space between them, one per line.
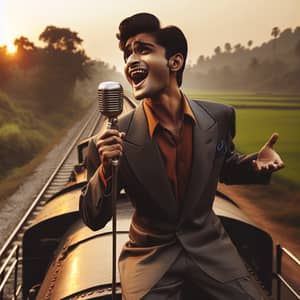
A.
pixel 138 75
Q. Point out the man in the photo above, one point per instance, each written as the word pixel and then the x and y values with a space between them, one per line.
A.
pixel 173 151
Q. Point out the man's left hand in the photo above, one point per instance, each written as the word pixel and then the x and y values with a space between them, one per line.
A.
pixel 268 160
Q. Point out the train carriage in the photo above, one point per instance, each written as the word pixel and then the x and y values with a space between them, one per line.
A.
pixel 61 258
pixel 64 259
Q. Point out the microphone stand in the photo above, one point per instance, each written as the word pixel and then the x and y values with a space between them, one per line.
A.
pixel 113 124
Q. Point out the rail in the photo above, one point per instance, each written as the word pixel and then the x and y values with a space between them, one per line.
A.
pixel 41 193
pixel 10 252
pixel 10 265
pixel 280 251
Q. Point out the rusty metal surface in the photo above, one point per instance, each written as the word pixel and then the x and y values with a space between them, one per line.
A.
pixel 85 266
pixel 68 203
pixel 83 260
pixel 62 204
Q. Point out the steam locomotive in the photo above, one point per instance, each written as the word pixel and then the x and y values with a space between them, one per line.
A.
pixel 64 259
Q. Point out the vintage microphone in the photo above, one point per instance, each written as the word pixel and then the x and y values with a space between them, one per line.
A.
pixel 110 99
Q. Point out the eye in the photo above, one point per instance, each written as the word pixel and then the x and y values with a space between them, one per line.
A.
pixel 143 49
pixel 126 55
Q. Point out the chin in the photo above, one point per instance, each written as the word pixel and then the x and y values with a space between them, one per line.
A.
pixel 139 95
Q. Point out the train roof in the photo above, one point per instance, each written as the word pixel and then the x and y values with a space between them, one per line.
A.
pixel 83 258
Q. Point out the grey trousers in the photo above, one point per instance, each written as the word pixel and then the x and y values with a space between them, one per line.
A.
pixel 185 281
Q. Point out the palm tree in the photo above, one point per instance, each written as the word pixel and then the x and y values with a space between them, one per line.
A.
pixel 250 43
pixel 218 50
pixel 227 47
pixel 275 33
pixel 238 47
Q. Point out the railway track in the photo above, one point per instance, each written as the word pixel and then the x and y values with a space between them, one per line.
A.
pixel 11 252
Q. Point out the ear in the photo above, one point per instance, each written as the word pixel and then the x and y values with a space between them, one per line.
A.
pixel 175 62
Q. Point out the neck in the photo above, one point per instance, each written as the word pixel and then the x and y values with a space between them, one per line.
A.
pixel 168 107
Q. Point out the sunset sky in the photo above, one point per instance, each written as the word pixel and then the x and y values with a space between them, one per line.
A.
pixel 207 24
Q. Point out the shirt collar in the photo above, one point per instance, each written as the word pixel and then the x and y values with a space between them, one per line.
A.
pixel 153 121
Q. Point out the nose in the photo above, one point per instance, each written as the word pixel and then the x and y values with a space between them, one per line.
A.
pixel 132 61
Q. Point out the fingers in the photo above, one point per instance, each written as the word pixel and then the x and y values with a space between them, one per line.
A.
pixel 110 137
pixel 279 165
pixel 273 139
pixel 258 166
pixel 111 140
pixel 109 146
pixel 111 132
pixel 110 151
pixel 255 165
pixel 267 167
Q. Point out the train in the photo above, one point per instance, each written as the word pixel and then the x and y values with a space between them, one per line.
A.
pixel 63 259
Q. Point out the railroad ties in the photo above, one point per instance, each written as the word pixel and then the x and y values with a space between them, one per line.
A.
pixel 11 252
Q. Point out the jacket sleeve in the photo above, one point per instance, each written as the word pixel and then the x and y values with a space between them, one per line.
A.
pixel 237 168
pixel 95 199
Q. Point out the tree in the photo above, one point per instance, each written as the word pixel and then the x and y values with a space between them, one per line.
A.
pixel 64 62
pixel 275 33
pixel 23 43
pixel 238 47
pixel 250 43
pixel 297 50
pixel 26 52
pixel 286 33
pixel 218 50
pixel 61 39
pixel 227 47
pixel 200 60
pixel 4 66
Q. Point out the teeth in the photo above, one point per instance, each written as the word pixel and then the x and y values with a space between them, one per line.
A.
pixel 137 71
pixel 138 74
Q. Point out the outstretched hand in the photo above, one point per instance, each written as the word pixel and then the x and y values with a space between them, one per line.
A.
pixel 268 160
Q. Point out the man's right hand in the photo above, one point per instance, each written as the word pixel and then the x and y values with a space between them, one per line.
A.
pixel 109 146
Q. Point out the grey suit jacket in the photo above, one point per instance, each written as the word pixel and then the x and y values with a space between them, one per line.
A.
pixel 161 226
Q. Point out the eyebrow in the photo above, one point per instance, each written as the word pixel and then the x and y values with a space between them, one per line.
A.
pixel 139 43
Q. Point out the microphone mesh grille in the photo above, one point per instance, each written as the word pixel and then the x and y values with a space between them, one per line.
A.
pixel 110 101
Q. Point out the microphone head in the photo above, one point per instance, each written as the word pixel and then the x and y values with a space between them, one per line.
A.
pixel 110 98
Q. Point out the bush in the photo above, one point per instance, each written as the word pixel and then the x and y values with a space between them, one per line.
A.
pixel 24 130
pixel 7 108
pixel 18 146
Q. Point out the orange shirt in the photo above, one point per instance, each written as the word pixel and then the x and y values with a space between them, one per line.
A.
pixel 176 152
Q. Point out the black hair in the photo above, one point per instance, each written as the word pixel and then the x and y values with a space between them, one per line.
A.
pixel 171 37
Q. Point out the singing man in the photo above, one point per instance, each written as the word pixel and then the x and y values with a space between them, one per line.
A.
pixel 173 152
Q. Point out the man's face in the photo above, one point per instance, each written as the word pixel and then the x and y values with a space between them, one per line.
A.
pixel 146 66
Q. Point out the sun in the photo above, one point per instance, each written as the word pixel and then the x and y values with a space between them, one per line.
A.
pixel 11 49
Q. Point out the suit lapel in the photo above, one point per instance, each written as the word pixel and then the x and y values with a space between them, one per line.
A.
pixel 204 145
pixel 146 162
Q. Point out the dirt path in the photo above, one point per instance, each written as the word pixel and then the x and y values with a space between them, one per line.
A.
pixel 259 203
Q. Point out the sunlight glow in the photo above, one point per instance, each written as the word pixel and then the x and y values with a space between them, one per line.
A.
pixel 11 49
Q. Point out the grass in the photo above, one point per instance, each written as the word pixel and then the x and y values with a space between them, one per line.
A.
pixel 280 200
pixel 26 136
pixel 255 126
pixel 15 177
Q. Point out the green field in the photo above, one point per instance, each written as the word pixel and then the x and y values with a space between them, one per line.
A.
pixel 255 126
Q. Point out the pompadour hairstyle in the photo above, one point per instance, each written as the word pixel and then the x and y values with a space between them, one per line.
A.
pixel 170 37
